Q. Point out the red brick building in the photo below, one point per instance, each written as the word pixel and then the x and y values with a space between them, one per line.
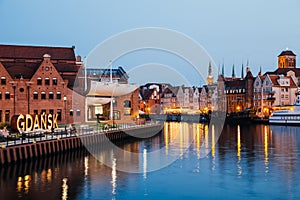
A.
pixel 38 79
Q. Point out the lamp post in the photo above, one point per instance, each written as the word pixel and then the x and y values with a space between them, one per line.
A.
pixel 65 105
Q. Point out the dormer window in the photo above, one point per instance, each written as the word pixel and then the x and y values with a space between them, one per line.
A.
pixel 3 81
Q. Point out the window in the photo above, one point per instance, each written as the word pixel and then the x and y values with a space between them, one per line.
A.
pixel 7 95
pixel 47 81
pixel 35 95
pixel 36 112
pixel 0 95
pixel 77 112
pixel 54 81
pixel 39 81
pixel 0 115
pixel 127 107
pixel 51 111
pixel 71 112
pixel 59 115
pixel 286 89
pixel 43 111
pixel 3 81
pixel 58 95
pixel 50 95
pixel 7 115
pixel 43 95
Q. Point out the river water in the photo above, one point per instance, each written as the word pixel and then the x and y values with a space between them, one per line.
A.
pixel 246 161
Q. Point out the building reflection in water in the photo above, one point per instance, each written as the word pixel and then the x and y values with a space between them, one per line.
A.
pixel 23 184
pixel 266 148
pixel 239 166
pixel 113 174
pixel 145 163
pixel 65 187
pixel 248 153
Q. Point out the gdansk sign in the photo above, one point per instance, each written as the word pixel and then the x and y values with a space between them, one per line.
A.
pixel 33 122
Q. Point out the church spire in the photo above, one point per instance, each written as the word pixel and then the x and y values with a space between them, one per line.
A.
pixel 223 69
pixel 242 74
pixel 233 73
pixel 260 71
pixel 210 77
pixel 209 69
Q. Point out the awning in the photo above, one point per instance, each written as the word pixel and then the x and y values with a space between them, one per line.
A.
pixel 107 89
pixel 97 100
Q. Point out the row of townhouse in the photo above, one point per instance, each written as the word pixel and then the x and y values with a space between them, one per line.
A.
pixel 163 98
pixel 262 93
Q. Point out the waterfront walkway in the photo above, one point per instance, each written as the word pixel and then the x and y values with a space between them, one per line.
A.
pixel 82 130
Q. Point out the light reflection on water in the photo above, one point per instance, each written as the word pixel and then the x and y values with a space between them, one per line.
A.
pixel 257 161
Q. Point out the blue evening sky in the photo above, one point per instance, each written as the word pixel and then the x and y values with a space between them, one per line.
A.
pixel 230 30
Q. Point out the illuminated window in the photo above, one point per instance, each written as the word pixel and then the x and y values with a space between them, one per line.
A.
pixel 7 115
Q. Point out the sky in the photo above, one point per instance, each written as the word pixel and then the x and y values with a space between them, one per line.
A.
pixel 231 31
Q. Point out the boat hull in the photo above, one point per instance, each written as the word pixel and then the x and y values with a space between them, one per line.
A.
pixel 285 120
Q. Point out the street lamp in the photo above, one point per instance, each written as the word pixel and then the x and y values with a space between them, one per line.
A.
pixel 65 104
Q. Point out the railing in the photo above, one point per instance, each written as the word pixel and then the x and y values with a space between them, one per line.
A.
pixel 39 136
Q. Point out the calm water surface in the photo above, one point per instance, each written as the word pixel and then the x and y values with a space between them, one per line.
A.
pixel 252 162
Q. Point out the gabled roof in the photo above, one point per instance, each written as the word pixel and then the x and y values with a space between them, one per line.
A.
pixel 168 91
pixel 274 80
pixel 23 61
pixel 36 52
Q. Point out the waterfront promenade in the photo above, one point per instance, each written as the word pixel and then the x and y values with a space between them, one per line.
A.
pixel 39 144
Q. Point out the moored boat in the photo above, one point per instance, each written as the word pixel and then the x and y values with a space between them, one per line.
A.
pixel 287 117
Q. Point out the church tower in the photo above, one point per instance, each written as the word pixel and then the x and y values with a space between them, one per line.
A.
pixel 287 59
pixel 233 73
pixel 210 77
